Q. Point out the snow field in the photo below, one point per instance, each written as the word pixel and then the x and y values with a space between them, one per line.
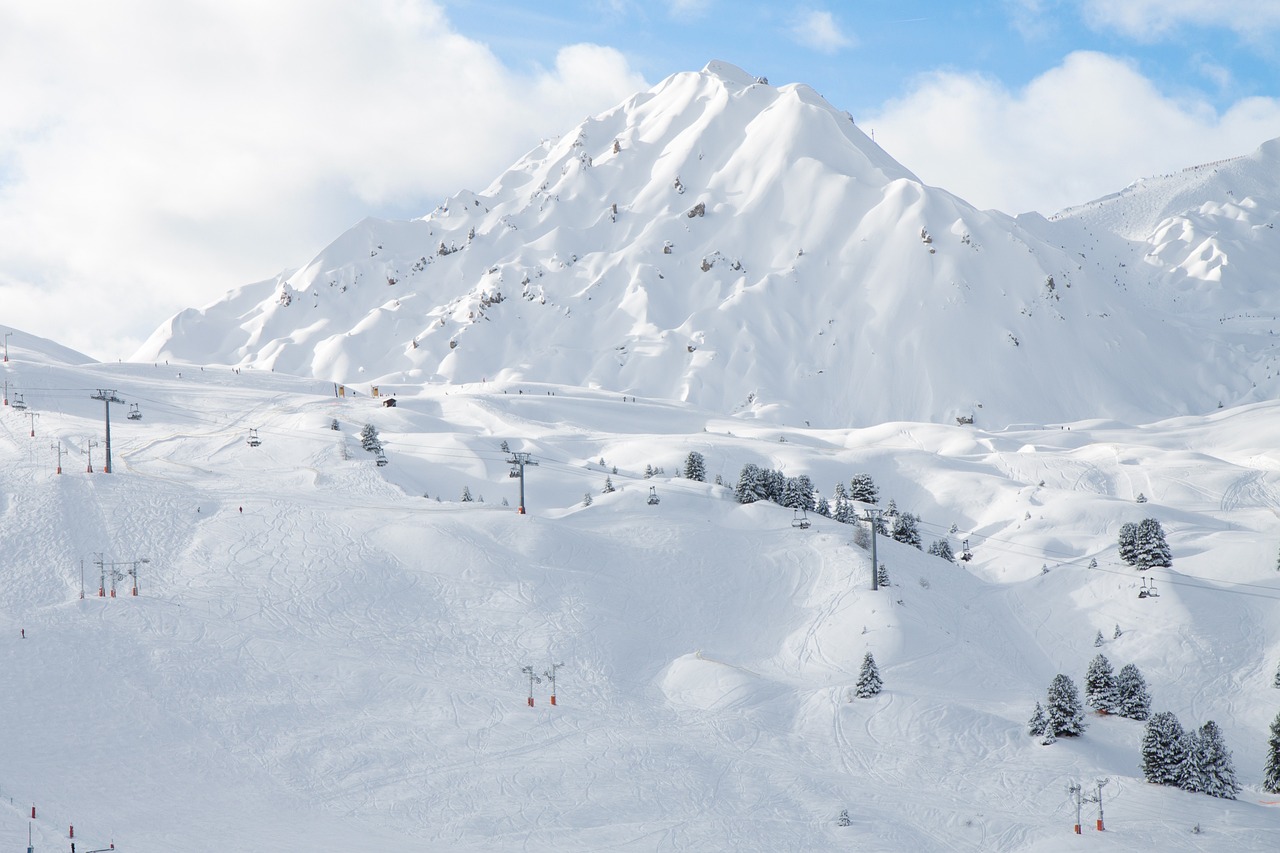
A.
pixel 338 667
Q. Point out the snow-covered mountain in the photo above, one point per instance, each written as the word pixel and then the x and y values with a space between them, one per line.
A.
pixel 748 249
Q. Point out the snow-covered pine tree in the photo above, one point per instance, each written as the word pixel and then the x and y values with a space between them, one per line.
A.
pixel 942 548
pixel 863 488
pixel 1163 749
pixel 869 681
pixel 1217 773
pixel 891 511
pixel 608 485
pixel 1100 691
pixel 797 493
pixel 1065 714
pixel 838 492
pixel 751 486
pixel 586 499
pixel 1133 700
pixel 1128 543
pixel 695 467
pixel 1099 639
pixel 905 530
pixel 882 576
pixel 1271 767
pixel 1117 633
pixel 844 819
pixel 842 511
pixel 648 471
pixel 1152 549
pixel 1036 725
pixel 466 494
pixel 369 439
pixel 776 483
pixel 1275 682
pixel 822 508
pixel 1141 498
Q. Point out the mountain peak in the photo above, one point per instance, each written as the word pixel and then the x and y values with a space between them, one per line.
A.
pixel 729 73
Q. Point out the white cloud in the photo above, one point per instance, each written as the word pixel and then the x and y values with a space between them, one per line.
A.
pixel 155 154
pixel 1084 129
pixel 1150 19
pixel 820 31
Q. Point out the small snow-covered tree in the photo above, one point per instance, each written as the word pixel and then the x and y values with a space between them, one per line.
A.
pixel 1163 749
pixel 466 494
pixel 941 548
pixel 882 576
pixel 869 681
pixel 1151 548
pixel 1133 700
pixel 1098 640
pixel 1117 633
pixel 842 511
pixel 1065 714
pixel 695 467
pixel 905 530
pixel 648 471
pixel 1128 543
pixel 1141 498
pixel 797 493
pixel 751 486
pixel 863 488
pixel 1217 774
pixel 1100 685
pixel 586 499
pixel 891 511
pixel 822 507
pixel 1271 767
pixel 1037 724
pixel 844 819
pixel 369 439
pixel 608 485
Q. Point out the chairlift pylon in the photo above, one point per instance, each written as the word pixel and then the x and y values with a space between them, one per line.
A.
pixel 135 414
pixel 800 519
pixel 253 439
pixel 653 496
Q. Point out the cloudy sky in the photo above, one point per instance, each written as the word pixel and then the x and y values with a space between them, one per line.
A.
pixel 156 153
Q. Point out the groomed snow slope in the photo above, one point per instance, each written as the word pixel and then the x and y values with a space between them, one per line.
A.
pixel 337 667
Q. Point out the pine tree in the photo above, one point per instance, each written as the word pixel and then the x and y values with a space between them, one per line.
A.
pixel 891 511
pixel 1132 697
pixel 797 493
pixel 863 488
pixel 608 485
pixel 369 439
pixel 1128 542
pixel 844 819
pixel 1275 682
pixel 1116 635
pixel 1065 714
pixel 1217 772
pixel 1163 749
pixel 586 499
pixel 842 512
pixel 1151 547
pixel 648 471
pixel 882 576
pixel 822 508
pixel 1141 498
pixel 1037 724
pixel 695 467
pixel 838 492
pixel 869 682
pixel 942 548
pixel 1100 685
pixel 905 530
pixel 1098 640
pixel 775 485
pixel 750 486
pixel 1271 769
pixel 466 494
pixel 1191 775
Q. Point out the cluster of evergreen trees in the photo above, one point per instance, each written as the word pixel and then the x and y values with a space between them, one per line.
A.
pixel 1196 760
pixel 1124 694
pixel 1143 545
pixel 1062 716
pixel 765 484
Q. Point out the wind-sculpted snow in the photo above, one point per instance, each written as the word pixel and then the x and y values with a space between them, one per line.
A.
pixel 326 654
pixel 748 249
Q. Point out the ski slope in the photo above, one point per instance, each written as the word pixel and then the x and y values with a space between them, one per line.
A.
pixel 327 655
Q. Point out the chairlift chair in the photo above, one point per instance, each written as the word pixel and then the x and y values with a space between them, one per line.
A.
pixel 653 496
pixel 17 402
pixel 135 414
pixel 1148 591
pixel 382 459
pixel 800 519
pixel 253 439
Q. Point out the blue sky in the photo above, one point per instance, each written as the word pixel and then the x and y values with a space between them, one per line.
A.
pixel 154 154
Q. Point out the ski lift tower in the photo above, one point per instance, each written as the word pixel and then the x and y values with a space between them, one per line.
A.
pixel 107 398
pixel 518 460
